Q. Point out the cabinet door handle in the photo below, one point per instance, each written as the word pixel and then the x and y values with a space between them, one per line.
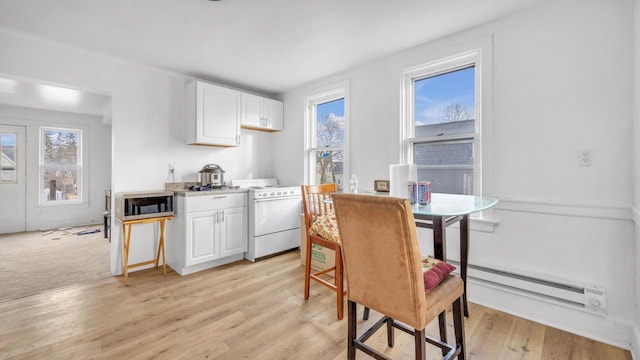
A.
pixel 216 218
pixel 222 216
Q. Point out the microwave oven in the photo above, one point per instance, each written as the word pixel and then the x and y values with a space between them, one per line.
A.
pixel 143 205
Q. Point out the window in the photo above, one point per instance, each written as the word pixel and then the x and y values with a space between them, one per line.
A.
pixel 326 160
pixel 442 123
pixel 60 166
pixel 8 171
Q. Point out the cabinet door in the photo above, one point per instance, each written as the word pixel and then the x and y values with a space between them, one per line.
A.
pixel 252 116
pixel 202 231
pixel 217 115
pixel 233 231
pixel 274 114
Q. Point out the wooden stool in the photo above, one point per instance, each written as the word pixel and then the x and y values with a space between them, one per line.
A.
pixel 126 242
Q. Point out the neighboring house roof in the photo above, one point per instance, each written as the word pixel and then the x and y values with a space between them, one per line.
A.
pixel 7 163
pixel 449 128
pixel 445 153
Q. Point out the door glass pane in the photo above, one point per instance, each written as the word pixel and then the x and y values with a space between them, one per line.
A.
pixel 8 172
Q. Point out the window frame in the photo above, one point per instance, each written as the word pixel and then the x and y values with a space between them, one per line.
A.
pixel 81 168
pixel 321 96
pixel 439 67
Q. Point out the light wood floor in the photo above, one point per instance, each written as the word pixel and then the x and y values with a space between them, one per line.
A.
pixel 239 311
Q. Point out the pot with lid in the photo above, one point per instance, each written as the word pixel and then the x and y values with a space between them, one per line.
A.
pixel 212 174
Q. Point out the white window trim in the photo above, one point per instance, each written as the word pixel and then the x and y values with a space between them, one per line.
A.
pixel 323 95
pixel 83 167
pixel 453 58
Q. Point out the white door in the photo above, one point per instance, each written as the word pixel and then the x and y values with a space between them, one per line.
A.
pixel 12 179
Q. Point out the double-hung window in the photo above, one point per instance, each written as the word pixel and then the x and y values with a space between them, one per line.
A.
pixel 60 166
pixel 326 141
pixel 442 122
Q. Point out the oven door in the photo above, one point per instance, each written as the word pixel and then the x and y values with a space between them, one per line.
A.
pixel 277 214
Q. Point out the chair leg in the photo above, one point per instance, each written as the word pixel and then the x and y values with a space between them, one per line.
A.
pixel 442 323
pixel 307 269
pixel 339 278
pixel 421 344
pixel 458 325
pixel 351 329
pixel 365 316
pixel 390 334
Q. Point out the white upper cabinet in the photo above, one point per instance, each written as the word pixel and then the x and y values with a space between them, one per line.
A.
pixel 213 115
pixel 260 113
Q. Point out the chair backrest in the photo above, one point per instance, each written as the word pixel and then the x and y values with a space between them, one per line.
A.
pixel 381 256
pixel 313 197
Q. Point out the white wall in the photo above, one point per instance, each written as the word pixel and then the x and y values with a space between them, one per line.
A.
pixel 561 84
pixel 97 141
pixel 147 122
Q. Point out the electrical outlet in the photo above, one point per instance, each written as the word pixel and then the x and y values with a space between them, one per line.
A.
pixel 585 158
pixel 595 299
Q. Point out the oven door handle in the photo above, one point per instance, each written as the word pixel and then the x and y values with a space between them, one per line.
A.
pixel 277 198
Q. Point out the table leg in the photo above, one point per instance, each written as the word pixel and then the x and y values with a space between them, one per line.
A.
pixel 439 238
pixel 464 258
pixel 439 252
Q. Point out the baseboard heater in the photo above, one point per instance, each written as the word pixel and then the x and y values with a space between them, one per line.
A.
pixel 592 299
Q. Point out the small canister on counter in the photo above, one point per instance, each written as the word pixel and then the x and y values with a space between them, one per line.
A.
pixel 412 192
pixel 424 192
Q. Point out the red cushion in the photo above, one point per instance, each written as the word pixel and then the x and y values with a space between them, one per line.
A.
pixel 434 271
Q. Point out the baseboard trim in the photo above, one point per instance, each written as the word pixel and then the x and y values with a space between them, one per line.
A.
pixel 635 343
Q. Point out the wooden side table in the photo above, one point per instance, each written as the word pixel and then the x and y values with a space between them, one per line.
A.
pixel 126 242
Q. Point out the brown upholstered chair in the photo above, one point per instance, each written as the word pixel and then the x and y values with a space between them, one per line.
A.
pixel 385 273
pixel 313 200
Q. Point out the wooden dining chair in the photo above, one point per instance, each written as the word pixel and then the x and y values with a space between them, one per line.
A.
pixel 315 208
pixel 387 273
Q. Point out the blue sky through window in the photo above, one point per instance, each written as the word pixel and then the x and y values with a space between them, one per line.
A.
pixel 434 94
pixel 335 107
pixel 8 140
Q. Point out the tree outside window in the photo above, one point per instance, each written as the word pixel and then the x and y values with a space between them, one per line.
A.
pixel 61 165
pixel 328 143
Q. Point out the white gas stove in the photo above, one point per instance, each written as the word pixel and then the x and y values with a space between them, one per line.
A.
pixel 274 217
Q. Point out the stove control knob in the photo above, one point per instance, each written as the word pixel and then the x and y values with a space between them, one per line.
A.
pixel 279 193
pixel 272 194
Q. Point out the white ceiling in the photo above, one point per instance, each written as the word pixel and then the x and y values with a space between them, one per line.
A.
pixel 266 45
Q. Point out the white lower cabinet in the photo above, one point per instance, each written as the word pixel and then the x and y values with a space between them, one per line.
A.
pixel 209 231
